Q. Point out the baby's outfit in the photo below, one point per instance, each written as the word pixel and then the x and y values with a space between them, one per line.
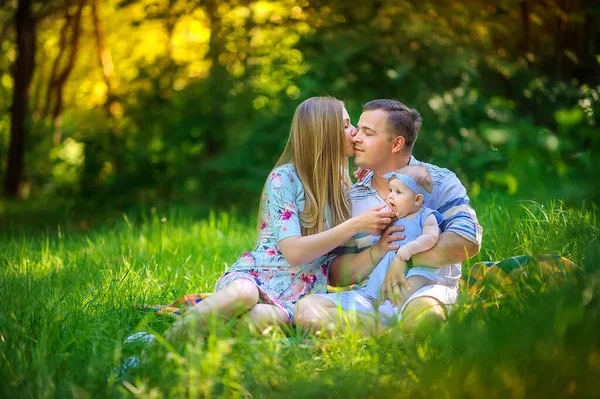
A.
pixel 413 228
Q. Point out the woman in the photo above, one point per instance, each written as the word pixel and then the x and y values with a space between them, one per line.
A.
pixel 304 214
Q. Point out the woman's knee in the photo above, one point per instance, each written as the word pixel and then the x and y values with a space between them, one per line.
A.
pixel 245 292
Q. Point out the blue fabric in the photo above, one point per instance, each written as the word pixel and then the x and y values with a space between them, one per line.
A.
pixel 413 228
pixel 409 182
pixel 448 196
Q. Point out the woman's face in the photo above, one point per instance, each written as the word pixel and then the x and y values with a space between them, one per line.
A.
pixel 349 132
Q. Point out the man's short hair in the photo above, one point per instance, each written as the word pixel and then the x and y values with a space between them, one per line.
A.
pixel 401 121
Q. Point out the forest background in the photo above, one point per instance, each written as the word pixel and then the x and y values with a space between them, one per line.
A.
pixel 136 136
pixel 113 103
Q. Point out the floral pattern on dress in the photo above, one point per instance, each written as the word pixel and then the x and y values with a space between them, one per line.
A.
pixel 278 282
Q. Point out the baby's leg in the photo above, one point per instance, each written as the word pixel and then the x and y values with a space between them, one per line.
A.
pixel 236 298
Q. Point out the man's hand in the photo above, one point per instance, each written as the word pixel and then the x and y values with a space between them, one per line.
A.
pixel 394 280
pixel 387 241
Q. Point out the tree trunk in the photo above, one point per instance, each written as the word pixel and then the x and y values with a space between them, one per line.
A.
pixel 105 59
pixel 62 48
pixel 68 49
pixel 23 71
pixel 61 79
pixel 525 26
pixel 102 52
pixel 217 81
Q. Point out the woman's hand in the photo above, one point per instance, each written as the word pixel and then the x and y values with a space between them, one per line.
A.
pixel 361 173
pixel 373 221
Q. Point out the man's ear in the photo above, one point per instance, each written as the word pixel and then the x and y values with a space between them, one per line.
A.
pixel 419 199
pixel 397 144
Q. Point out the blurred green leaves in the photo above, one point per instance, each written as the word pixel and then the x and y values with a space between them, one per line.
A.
pixel 567 118
pixel 202 94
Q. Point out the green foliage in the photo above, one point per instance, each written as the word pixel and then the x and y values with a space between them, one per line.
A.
pixel 194 107
pixel 197 99
pixel 68 293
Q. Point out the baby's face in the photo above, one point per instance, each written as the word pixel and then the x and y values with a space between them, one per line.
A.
pixel 401 199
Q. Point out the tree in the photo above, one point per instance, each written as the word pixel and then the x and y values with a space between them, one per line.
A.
pixel 26 18
pixel 23 71
pixel 63 64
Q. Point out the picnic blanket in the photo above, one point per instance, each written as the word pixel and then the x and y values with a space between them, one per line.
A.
pixel 516 275
pixel 481 280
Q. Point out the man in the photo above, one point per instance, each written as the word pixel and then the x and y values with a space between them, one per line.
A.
pixel 387 131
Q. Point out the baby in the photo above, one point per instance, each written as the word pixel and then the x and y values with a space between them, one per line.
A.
pixel 409 187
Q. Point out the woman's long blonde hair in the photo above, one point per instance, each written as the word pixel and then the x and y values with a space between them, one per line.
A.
pixel 316 149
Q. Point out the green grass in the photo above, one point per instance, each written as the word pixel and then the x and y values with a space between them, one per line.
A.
pixel 67 294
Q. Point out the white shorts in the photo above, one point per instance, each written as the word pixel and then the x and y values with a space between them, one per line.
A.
pixel 447 296
pixel 352 300
pixel 358 301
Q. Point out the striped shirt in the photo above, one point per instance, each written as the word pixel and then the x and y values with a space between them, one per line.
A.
pixel 448 196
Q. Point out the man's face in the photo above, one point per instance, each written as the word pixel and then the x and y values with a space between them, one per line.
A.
pixel 372 144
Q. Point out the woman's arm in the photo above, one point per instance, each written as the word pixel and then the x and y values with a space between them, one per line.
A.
pixel 298 250
pixel 352 268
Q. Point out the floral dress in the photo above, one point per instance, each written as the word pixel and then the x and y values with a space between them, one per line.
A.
pixel 278 282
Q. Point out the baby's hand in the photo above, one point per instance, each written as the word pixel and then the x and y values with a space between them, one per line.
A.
pixel 403 253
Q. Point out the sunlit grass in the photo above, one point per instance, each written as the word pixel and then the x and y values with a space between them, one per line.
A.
pixel 67 297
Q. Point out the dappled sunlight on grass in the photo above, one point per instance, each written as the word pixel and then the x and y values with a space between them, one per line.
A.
pixel 68 302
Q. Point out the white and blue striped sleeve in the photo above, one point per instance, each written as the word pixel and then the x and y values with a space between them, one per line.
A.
pixel 458 215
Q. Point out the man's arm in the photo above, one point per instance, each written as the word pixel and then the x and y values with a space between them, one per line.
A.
pixel 394 277
pixel 450 248
pixel 461 237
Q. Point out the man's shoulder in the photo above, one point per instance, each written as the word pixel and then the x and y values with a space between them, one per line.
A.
pixel 436 172
pixel 440 176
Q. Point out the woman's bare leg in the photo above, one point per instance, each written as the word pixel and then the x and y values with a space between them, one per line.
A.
pixel 238 297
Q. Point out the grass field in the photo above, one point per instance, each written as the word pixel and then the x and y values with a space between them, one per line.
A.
pixel 67 292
